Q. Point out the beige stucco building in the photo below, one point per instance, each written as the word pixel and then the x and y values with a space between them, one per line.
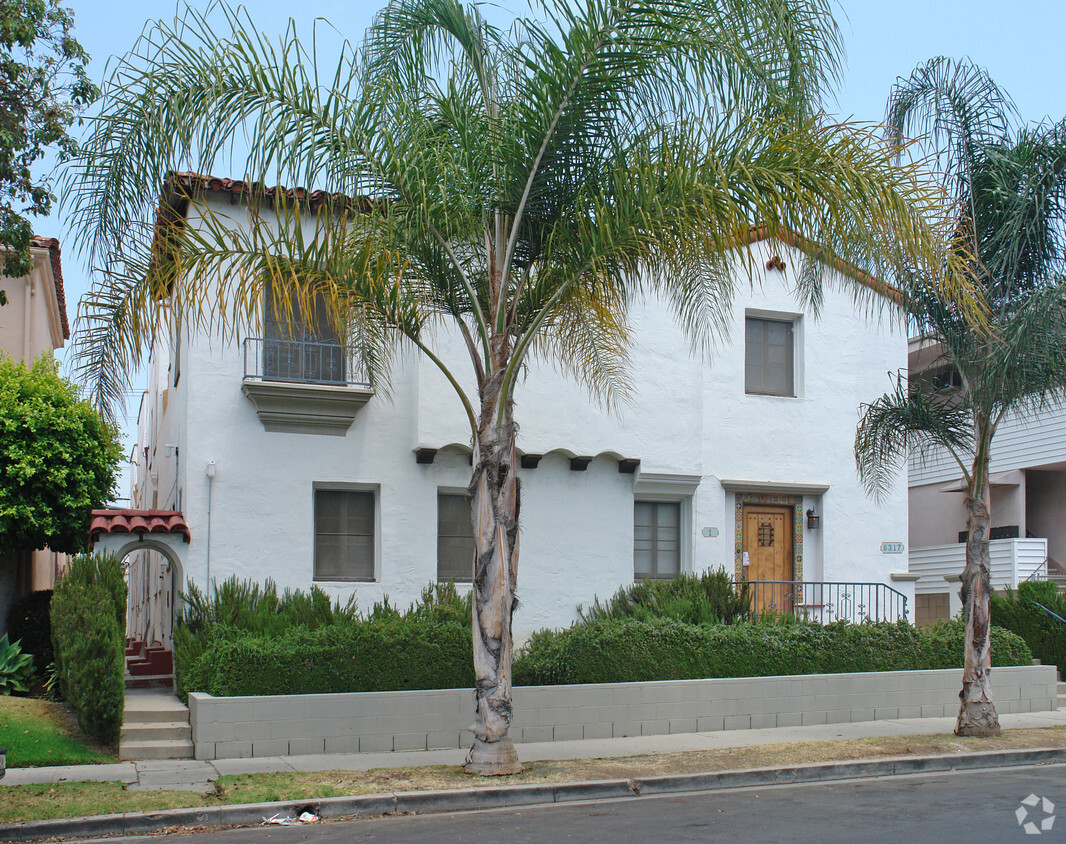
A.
pixel 32 323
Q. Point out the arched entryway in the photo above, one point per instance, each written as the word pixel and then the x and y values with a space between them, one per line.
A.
pixel 150 544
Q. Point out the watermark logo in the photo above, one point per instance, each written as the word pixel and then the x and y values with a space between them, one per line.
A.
pixel 1033 820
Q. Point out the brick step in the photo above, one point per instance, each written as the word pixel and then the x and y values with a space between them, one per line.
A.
pixel 156 749
pixel 156 731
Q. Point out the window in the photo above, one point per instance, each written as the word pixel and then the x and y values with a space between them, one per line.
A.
pixel 455 538
pixel 769 366
pixel 656 539
pixel 344 534
pixel 299 345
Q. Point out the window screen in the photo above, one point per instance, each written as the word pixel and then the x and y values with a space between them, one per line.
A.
pixel 768 357
pixel 656 539
pixel 344 535
pixel 455 538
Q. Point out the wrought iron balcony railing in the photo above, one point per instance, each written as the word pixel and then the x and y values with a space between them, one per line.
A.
pixel 827 602
pixel 301 361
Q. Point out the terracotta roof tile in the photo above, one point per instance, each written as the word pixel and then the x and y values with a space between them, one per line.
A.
pixel 52 245
pixel 137 521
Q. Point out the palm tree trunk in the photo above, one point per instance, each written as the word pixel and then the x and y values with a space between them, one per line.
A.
pixel 494 494
pixel 977 713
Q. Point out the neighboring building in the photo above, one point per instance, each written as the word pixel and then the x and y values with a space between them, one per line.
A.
pixel 32 323
pixel 1028 486
pixel 285 465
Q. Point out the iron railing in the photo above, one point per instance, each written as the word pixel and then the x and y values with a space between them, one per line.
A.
pixel 826 602
pixel 300 361
pixel 1054 615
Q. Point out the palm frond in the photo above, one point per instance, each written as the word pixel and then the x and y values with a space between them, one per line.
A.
pixel 902 421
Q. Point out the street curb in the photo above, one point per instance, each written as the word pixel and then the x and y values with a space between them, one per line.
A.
pixel 495 797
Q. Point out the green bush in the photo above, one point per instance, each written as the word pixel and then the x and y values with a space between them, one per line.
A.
pixel 16 667
pixel 625 650
pixel 246 640
pixel 707 598
pixel 1018 612
pixel 367 657
pixel 29 622
pixel 88 622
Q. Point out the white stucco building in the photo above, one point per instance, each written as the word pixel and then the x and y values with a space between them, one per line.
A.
pixel 285 466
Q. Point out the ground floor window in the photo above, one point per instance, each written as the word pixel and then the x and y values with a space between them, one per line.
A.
pixel 656 539
pixel 344 534
pixel 455 538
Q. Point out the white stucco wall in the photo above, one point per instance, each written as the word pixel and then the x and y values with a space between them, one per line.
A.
pixel 686 417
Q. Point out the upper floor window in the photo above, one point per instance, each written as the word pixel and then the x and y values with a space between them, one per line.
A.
pixel 769 357
pixel 300 343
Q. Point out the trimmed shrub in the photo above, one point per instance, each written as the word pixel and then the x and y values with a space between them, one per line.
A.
pixel 246 640
pixel 1018 612
pixel 367 657
pixel 88 619
pixel 243 606
pixel 30 623
pixel 624 650
pixel 707 598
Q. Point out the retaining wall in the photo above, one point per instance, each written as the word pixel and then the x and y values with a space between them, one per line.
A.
pixel 291 725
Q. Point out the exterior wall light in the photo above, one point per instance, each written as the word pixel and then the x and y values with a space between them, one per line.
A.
pixel 814 521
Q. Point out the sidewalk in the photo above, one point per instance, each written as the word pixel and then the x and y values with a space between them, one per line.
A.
pixel 191 775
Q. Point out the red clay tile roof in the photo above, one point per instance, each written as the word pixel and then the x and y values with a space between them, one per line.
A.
pixel 137 521
pixel 179 185
pixel 52 245
pixel 184 182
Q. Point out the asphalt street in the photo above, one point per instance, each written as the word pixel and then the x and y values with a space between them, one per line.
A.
pixel 974 806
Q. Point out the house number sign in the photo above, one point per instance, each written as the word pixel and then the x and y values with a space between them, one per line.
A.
pixel 891 547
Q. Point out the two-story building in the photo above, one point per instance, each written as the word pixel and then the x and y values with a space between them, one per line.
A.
pixel 32 323
pixel 1027 475
pixel 285 464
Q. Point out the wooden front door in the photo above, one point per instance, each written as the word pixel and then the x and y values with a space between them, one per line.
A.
pixel 768 544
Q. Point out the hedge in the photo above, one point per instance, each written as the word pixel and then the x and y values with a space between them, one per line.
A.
pixel 249 640
pixel 88 623
pixel 1019 613
pixel 621 650
pixel 370 656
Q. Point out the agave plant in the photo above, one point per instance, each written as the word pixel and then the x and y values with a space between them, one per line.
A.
pixel 15 667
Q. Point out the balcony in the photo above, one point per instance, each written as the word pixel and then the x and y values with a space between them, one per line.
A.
pixel 303 387
pixel 1013 561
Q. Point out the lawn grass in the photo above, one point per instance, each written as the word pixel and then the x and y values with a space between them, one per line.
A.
pixel 66 800
pixel 37 732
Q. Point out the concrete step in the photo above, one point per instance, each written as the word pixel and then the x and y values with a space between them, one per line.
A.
pixel 1062 695
pixel 156 749
pixel 157 731
pixel 146 706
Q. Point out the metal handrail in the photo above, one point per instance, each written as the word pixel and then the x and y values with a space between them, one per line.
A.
pixel 827 601
pixel 1054 615
pixel 301 361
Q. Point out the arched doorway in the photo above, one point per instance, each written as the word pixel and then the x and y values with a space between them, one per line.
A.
pixel 150 544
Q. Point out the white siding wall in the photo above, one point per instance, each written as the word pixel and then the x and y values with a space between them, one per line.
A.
pixel 1013 561
pixel 1024 439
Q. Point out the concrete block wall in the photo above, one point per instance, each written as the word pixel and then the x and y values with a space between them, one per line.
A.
pixel 292 725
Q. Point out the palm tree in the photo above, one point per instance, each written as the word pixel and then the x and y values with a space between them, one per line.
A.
pixel 1009 189
pixel 524 187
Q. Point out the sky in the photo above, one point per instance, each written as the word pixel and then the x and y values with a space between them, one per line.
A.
pixel 1018 43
